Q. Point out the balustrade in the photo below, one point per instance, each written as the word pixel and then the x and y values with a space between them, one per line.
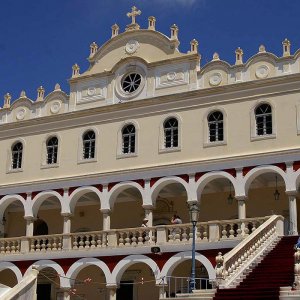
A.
pixel 211 231
pixel 10 245
pixel 89 240
pixel 46 243
pixel 234 262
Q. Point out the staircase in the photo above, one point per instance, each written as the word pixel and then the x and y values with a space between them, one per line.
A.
pixel 274 271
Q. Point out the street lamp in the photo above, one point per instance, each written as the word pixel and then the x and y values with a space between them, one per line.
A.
pixel 194 213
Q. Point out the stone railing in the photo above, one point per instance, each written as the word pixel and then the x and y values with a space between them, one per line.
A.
pixel 232 265
pixel 46 243
pixel 10 245
pixel 212 231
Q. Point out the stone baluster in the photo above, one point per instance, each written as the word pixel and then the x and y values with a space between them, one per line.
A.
pixel 75 242
pixel 121 239
pixel 220 268
pixel 81 242
pixel 224 231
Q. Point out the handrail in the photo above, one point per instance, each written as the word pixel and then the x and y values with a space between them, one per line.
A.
pixel 232 261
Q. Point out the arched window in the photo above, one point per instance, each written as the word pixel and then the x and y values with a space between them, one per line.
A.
pixel 52 148
pixel 128 139
pixel 89 142
pixel 17 153
pixel 215 126
pixel 171 133
pixel 263 118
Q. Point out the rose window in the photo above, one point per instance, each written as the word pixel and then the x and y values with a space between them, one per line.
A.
pixel 131 82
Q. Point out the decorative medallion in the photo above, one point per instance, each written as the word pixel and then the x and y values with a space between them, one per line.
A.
pixel 171 76
pixel 262 71
pixel 91 91
pixel 215 79
pixel 21 114
pixel 132 46
pixel 55 107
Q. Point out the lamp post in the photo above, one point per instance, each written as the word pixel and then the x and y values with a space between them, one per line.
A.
pixel 194 213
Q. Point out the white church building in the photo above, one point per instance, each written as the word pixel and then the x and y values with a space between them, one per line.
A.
pixel 143 133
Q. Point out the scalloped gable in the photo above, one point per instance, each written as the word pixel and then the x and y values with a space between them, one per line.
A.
pixel 22 101
pixel 151 46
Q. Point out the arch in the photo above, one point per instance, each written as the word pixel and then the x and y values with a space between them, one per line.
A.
pixel 46 263
pixel 162 182
pixel 255 172
pixel 9 199
pixel 208 177
pixel 38 200
pixel 80 264
pixel 130 260
pixel 176 259
pixel 13 268
pixel 79 192
pixel 120 187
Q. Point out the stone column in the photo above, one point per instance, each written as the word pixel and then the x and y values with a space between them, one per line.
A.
pixel 25 242
pixel 112 292
pixel 106 219
pixel 162 290
pixel 65 294
pixel 149 214
pixel 293 229
pixel 67 241
pixel 241 206
pixel 29 225
pixel 241 200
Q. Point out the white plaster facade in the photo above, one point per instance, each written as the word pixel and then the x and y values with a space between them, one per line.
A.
pixel 113 190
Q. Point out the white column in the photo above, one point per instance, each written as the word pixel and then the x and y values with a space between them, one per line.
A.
pixel 29 226
pixel 241 200
pixel 106 218
pixel 149 214
pixel 293 229
pixel 112 292
pixel 67 222
pixel 67 241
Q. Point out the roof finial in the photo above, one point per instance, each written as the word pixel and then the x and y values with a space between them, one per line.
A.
pixel 261 49
pixel 93 49
pixel 134 12
pixel 216 56
pixel 76 70
pixel 194 46
pixel 7 99
pixel 174 32
pixel 40 94
pixel 114 30
pixel 23 94
pixel 239 56
pixel 286 47
pixel 151 23
pixel 57 87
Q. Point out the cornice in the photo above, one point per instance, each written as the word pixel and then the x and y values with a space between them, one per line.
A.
pixel 245 91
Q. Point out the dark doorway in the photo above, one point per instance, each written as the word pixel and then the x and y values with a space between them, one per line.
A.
pixel 43 291
pixel 40 227
pixel 125 291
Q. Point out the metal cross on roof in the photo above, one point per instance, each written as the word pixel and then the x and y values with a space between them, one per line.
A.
pixel 134 12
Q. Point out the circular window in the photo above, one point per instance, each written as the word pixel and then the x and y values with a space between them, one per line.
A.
pixel 131 82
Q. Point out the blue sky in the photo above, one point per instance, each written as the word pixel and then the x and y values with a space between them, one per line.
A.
pixel 40 40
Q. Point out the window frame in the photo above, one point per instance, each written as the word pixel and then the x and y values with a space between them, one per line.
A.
pixel 9 160
pixel 54 148
pixel 91 147
pixel 120 153
pixel 253 124
pixel 162 145
pixel 207 143
pixel 219 129
pixel 80 159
